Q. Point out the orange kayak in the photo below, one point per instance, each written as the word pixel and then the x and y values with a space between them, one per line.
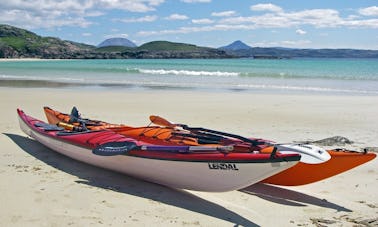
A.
pixel 302 173
pixel 305 173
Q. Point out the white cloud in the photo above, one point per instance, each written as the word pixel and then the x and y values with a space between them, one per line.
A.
pixel 276 17
pixel 300 32
pixel 202 21
pixel 29 20
pixel 284 43
pixel 370 23
pixel 263 21
pixel 86 34
pixel 116 36
pixel 353 17
pixel 266 7
pixel 294 43
pixel 186 30
pixel 56 13
pixel 74 6
pixel 139 19
pixel 223 14
pixel 369 11
pixel 196 1
pixel 316 17
pixel 177 17
pixel 128 5
pixel 78 13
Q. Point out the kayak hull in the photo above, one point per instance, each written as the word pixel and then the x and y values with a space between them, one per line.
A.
pixel 309 170
pixel 211 172
pixel 305 173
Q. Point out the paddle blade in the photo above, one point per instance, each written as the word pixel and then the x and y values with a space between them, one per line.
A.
pixel 114 148
pixel 74 116
pixel 161 121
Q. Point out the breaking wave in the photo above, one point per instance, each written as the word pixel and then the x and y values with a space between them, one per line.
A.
pixel 188 72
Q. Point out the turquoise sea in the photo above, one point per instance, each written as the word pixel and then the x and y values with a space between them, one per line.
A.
pixel 320 76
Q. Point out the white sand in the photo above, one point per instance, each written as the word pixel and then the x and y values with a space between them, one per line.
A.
pixel 41 188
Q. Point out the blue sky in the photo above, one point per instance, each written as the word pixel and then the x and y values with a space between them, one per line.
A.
pixel 213 23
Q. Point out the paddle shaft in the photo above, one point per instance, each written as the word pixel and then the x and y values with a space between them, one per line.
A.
pixel 163 122
pixel 186 148
pixel 120 148
pixel 213 132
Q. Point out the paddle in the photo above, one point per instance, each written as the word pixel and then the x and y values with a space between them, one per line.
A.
pixel 163 122
pixel 118 148
pixel 74 116
pixel 71 127
pixel 48 127
pixel 310 154
pixel 201 138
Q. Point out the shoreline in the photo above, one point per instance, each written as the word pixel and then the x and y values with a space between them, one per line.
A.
pixel 29 59
pixel 356 78
pixel 41 187
pixel 10 83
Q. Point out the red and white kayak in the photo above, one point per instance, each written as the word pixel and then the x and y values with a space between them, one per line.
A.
pixel 198 168
pixel 316 163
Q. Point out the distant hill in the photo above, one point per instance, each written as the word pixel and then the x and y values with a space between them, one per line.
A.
pixel 235 46
pixel 240 49
pixel 169 46
pixel 165 49
pixel 114 49
pixel 117 42
pixel 20 43
pixel 17 43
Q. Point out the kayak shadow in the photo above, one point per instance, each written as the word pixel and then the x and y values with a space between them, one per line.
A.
pixel 114 181
pixel 289 197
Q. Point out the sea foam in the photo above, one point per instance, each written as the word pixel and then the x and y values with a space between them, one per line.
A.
pixel 188 72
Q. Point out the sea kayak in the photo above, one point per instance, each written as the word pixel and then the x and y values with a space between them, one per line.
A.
pixel 150 134
pixel 200 168
pixel 316 164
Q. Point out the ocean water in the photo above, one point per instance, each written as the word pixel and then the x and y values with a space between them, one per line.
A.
pixel 320 76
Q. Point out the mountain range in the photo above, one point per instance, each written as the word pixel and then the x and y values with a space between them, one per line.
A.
pixel 19 43
pixel 240 49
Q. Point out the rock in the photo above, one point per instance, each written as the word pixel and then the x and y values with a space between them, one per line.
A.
pixel 333 141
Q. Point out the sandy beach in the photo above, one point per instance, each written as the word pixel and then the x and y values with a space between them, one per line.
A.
pixel 42 188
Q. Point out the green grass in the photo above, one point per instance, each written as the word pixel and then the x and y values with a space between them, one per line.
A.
pixel 15 42
pixel 168 46
pixel 114 49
